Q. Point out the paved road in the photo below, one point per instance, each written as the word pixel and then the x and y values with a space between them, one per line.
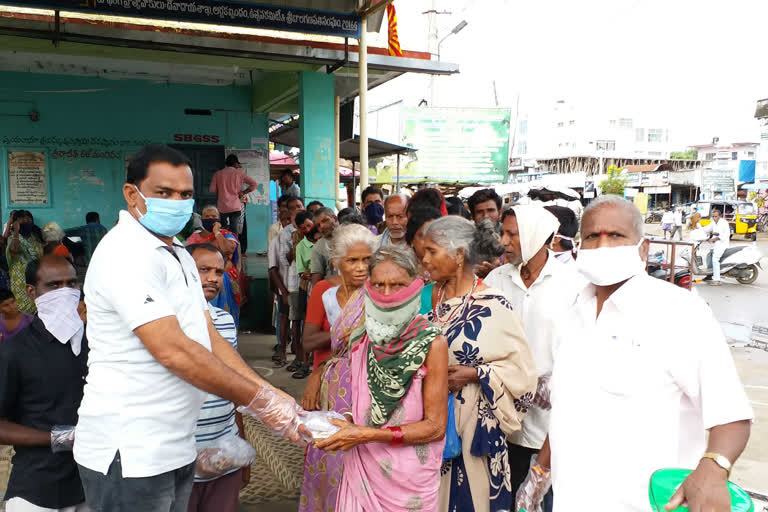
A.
pixel 738 307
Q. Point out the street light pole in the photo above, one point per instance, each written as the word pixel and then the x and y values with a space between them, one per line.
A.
pixel 363 94
pixel 458 28
pixel 433 82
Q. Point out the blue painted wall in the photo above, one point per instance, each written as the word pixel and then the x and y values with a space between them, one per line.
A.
pixel 316 133
pixel 87 126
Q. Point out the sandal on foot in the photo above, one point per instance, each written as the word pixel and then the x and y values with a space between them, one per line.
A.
pixel 295 365
pixel 302 373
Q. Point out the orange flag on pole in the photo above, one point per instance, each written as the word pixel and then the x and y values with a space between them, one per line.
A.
pixel 393 40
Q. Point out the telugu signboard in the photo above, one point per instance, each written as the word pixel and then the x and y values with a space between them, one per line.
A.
pixel 27 177
pixel 647 179
pixel 466 145
pixel 216 12
pixel 717 180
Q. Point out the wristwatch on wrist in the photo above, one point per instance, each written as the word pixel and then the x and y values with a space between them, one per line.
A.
pixel 720 460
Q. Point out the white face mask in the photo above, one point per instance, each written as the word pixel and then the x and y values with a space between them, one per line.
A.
pixel 58 311
pixel 561 237
pixel 605 266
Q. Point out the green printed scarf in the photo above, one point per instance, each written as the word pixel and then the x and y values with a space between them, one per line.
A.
pixel 400 340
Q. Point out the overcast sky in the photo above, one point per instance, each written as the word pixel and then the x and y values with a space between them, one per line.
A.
pixel 697 67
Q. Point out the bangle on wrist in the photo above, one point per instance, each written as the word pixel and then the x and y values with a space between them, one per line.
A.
pixel 397 436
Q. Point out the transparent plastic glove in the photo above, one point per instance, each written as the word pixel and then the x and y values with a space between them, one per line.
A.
pixel 318 424
pixel 534 487
pixel 62 438
pixel 279 413
pixel 229 453
pixel 543 392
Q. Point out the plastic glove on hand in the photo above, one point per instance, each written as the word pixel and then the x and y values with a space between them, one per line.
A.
pixel 279 413
pixel 533 489
pixel 62 438
pixel 226 455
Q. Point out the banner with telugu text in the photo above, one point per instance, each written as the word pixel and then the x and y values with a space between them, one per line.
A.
pixel 456 145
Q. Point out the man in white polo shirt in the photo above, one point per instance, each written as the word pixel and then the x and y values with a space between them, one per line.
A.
pixel 633 393
pixel 155 352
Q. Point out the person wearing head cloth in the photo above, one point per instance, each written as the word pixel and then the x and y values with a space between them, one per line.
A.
pixel 541 289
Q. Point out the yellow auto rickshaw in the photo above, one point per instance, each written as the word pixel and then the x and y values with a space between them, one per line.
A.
pixel 741 216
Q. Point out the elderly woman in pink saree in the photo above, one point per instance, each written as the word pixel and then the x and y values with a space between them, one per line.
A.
pixel 329 388
pixel 399 370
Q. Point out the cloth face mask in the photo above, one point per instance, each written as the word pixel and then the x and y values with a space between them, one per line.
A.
pixel 610 265
pixel 208 224
pixel 58 312
pixel 387 316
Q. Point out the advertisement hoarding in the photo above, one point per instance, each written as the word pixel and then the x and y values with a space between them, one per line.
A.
pixel 464 145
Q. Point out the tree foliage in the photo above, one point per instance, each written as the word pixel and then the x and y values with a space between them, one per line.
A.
pixel 615 183
pixel 691 154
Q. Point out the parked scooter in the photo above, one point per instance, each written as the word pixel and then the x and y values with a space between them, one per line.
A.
pixel 741 262
pixel 656 269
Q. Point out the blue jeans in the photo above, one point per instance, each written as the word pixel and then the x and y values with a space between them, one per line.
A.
pixel 166 492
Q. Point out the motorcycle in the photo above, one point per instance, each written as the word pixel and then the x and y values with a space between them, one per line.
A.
pixel 741 262
pixel 654 216
pixel 656 268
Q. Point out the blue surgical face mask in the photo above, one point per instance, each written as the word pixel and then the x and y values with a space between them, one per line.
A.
pixel 166 217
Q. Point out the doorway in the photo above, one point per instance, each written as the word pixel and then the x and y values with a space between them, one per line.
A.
pixel 206 160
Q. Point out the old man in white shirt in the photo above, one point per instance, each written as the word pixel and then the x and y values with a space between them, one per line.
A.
pixel 632 393
pixel 541 289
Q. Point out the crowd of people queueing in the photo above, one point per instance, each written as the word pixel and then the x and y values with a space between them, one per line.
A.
pixel 478 363
pixel 510 293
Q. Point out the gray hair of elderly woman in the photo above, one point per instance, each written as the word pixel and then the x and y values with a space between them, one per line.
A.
pixel 479 242
pixel 618 202
pixel 345 237
pixel 52 232
pixel 210 207
pixel 401 256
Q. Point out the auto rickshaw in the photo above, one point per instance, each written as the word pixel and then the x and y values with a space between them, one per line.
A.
pixel 741 216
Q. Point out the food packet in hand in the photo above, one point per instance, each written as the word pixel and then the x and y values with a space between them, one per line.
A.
pixel 226 454
pixel 317 422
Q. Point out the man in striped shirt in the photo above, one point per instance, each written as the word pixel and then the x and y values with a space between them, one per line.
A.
pixel 218 418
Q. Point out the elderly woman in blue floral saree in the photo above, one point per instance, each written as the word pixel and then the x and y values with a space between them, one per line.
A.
pixel 491 372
